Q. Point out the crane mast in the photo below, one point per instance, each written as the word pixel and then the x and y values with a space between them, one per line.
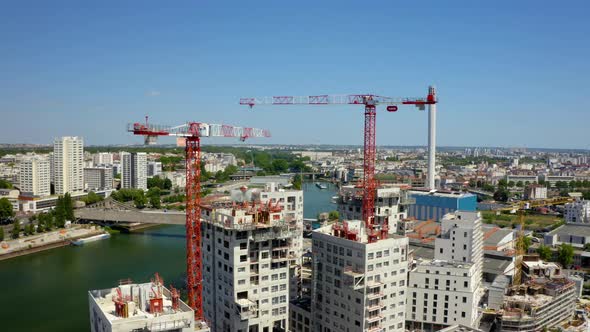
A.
pixel 192 132
pixel 370 101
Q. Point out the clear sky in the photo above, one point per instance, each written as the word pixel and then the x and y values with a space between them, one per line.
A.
pixel 508 73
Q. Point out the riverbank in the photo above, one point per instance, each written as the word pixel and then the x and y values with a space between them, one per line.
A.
pixel 46 241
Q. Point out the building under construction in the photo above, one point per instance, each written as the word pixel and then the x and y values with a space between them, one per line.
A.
pixel 545 299
pixel 141 307
pixel 249 250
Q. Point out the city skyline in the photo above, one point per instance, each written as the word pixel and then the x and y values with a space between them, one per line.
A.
pixel 88 71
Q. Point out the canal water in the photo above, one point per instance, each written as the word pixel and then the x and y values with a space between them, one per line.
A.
pixel 48 291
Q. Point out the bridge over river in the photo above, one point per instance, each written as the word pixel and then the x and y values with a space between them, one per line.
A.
pixel 110 211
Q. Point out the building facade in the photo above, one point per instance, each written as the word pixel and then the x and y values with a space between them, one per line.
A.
pixel 103 158
pixel 35 176
pixel 535 191
pixel 133 170
pixel 434 205
pixel 98 178
pixel 357 284
pixel 248 251
pixel 447 290
pixel 154 168
pixel 68 164
pixel 390 205
pixel 577 212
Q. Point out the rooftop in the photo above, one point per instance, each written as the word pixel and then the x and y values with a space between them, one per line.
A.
pixel 137 301
pixel 459 328
pixel 578 230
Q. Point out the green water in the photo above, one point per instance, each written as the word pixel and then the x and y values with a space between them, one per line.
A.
pixel 47 291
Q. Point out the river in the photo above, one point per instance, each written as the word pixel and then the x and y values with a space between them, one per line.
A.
pixel 48 291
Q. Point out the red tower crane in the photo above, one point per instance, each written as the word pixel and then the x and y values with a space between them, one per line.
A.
pixel 370 102
pixel 192 132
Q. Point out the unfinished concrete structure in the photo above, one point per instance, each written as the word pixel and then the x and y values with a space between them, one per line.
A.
pixel 390 204
pixel 545 299
pixel 140 307
pixel 357 285
pixel 249 248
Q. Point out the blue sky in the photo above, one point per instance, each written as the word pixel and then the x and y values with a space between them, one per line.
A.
pixel 508 73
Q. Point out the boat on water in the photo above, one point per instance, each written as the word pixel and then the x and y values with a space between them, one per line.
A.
pixel 80 242
pixel 321 185
pixel 334 199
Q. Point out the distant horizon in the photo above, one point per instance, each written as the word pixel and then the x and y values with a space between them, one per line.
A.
pixel 247 145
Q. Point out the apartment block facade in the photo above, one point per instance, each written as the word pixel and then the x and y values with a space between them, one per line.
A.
pixel 68 164
pixel 358 285
pixel 35 176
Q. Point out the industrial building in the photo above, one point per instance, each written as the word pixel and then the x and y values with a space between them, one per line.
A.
pixel 35 176
pixel 433 205
pixel 390 205
pixel 140 307
pixel 358 284
pixel 447 290
pixel 250 251
pixel 133 170
pixel 68 164
pixel 98 178
pixel 545 299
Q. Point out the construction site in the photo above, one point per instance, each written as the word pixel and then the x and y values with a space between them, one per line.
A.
pixel 245 253
pixel 138 307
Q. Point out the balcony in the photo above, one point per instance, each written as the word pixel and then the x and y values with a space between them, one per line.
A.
pixel 247 309
pixel 374 295
pixel 374 318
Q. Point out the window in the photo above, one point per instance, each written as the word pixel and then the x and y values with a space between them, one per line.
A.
pixel 466 284
pixel 463 314
pixel 243 258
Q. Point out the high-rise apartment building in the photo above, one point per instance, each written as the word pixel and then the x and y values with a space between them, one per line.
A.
pixel 35 176
pixel 447 290
pixel 98 178
pixel 68 164
pixel 358 284
pixel 249 248
pixel 133 170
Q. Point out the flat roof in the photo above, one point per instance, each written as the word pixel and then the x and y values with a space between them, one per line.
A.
pixel 572 229
pixel 104 301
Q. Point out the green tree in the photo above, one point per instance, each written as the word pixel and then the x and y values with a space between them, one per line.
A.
pixel 68 207
pixel 60 212
pixel 5 184
pixel 92 198
pixel 511 184
pixel 1 233
pixel 154 197
pixel 501 195
pixel 280 165
pixel 519 184
pixel 333 215
pixel 5 209
pixel 40 226
pixel 297 182
pixel 502 183
pixel 15 233
pixel 140 201
pixel 545 253
pixel 565 255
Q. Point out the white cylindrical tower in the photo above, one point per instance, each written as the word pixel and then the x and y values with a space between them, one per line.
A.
pixel 431 138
